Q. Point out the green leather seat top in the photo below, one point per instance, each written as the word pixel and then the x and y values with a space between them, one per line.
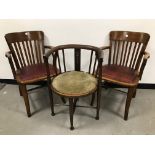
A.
pixel 74 83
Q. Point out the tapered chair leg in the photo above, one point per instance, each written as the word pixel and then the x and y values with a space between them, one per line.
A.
pixel 134 94
pixel 71 112
pixel 51 101
pixel 98 103
pixel 128 101
pixel 92 100
pixel 20 92
pixel 26 100
pixel 63 99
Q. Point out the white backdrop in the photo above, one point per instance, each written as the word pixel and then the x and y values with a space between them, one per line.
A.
pixel 93 32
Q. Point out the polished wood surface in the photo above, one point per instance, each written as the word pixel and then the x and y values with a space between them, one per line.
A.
pixel 26 59
pixel 126 61
pixel 60 59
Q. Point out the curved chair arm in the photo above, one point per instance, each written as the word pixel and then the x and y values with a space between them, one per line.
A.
pixel 48 47
pixel 9 56
pixel 145 58
pixel 105 47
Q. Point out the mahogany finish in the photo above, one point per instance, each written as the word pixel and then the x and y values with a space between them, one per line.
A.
pixel 126 62
pixel 60 59
pixel 26 60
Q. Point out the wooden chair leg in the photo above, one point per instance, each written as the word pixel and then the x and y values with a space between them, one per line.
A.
pixel 128 101
pixel 51 101
pixel 26 100
pixel 92 100
pixel 20 92
pixel 63 99
pixel 98 103
pixel 134 94
pixel 71 112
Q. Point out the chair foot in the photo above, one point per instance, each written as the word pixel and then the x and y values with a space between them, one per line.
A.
pixel 72 128
pixel 97 117
pixel 28 115
pixel 126 117
pixel 53 114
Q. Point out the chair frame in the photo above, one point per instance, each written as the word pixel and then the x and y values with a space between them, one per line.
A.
pixel 137 37
pixel 14 63
pixel 77 64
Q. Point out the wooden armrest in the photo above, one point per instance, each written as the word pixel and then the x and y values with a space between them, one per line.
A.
pixel 47 54
pixel 8 54
pixel 146 55
pixel 105 47
pixel 49 47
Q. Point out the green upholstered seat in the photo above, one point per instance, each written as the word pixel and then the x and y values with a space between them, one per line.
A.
pixel 74 83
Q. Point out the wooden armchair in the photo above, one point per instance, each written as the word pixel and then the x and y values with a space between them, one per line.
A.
pixel 126 62
pixel 26 60
pixel 76 82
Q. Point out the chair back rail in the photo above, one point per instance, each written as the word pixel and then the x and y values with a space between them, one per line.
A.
pixel 127 48
pixel 60 58
pixel 27 47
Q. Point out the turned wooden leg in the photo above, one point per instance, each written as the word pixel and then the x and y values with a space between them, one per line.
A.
pixel 128 101
pixel 92 100
pixel 98 103
pixel 51 101
pixel 20 92
pixel 71 112
pixel 26 100
pixel 63 99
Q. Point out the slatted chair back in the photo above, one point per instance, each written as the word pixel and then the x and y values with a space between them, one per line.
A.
pixel 127 48
pixel 59 53
pixel 27 47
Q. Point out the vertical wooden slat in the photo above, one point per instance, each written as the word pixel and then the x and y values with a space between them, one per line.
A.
pixel 125 51
pixel 32 52
pixel 28 62
pixel 29 52
pixel 21 52
pixel 63 55
pixel 122 52
pixel 118 49
pixel 77 58
pixel 128 54
pixel 136 54
pixel 59 61
pixel 94 65
pixel 36 53
pixel 38 50
pixel 90 61
pixel 18 54
pixel 114 51
pixel 133 54
pixel 110 53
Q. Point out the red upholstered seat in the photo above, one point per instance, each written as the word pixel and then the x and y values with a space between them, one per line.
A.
pixel 33 72
pixel 119 75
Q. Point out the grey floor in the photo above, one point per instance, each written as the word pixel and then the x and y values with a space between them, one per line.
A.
pixel 13 119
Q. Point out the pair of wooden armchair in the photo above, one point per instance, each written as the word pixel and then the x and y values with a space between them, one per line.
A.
pixel 30 63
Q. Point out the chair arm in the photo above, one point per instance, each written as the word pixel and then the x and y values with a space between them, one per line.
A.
pixel 49 47
pixel 145 58
pixel 105 47
pixel 146 55
pixel 8 55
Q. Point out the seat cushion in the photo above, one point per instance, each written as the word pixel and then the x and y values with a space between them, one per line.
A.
pixel 120 75
pixel 33 73
pixel 74 83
